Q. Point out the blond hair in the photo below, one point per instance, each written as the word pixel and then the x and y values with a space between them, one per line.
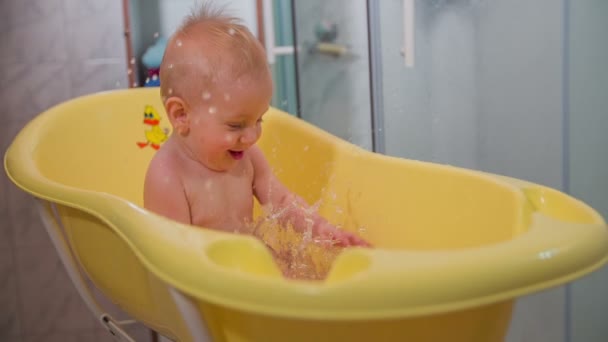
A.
pixel 209 46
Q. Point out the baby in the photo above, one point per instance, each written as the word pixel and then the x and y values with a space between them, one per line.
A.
pixel 216 86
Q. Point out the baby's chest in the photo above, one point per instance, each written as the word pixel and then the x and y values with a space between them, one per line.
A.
pixel 217 201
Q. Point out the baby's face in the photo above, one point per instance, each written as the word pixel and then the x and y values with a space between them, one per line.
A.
pixel 228 121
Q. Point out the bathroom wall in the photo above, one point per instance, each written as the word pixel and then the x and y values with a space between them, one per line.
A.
pixel 485 92
pixel 430 109
pixel 520 110
pixel 53 50
pixel 588 162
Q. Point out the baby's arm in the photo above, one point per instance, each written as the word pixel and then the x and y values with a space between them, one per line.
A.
pixel 164 193
pixel 294 210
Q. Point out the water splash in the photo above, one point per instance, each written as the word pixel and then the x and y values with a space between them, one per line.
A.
pixel 298 254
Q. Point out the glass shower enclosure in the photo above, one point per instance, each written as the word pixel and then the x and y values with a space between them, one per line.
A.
pixel 512 87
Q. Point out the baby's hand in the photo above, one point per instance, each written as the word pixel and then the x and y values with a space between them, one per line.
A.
pixel 327 233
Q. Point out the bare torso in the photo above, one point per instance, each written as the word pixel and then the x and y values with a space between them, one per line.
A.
pixel 197 195
pixel 220 200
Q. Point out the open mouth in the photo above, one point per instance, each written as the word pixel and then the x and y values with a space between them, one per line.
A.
pixel 236 154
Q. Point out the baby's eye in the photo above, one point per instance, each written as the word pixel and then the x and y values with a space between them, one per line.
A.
pixel 235 125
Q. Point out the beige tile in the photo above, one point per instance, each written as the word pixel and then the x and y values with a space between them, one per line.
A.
pixel 63 337
pixel 98 75
pixel 137 331
pixel 26 12
pixel 6 230
pixel 94 29
pixel 38 38
pixel 24 220
pixel 9 315
pixel 16 206
pixel 49 302
pixel 28 90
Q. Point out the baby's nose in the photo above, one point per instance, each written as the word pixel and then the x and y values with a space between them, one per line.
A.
pixel 250 135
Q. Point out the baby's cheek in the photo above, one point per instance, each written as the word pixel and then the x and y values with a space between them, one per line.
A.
pixel 229 138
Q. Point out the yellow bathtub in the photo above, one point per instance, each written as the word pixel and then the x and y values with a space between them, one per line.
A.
pixel 453 247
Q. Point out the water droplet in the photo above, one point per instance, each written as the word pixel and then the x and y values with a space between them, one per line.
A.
pixel 171 66
pixel 231 31
pixel 212 110
pixel 178 43
pixel 170 91
pixel 132 60
pixel 206 96
pixel 156 34
pixel 226 97
pixel 208 184
pixel 135 84
pixel 130 71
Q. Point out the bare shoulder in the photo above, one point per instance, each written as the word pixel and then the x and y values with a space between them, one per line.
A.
pixel 163 188
pixel 162 169
pixel 258 160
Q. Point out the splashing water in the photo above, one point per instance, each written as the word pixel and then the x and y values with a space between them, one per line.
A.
pixel 298 254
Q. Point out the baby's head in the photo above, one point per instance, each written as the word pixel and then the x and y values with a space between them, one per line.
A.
pixel 215 85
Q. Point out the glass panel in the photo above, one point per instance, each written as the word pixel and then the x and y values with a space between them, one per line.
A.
pixel 588 162
pixel 334 86
pixel 486 91
pixel 483 93
pixel 285 95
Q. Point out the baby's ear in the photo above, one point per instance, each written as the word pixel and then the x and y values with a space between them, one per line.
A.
pixel 178 115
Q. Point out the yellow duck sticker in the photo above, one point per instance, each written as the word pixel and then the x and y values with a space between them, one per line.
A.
pixel 155 136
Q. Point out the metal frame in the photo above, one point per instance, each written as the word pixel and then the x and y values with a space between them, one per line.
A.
pixel 56 231
pixel 54 227
pixel 375 76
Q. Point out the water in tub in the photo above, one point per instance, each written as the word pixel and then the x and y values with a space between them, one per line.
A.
pixel 298 255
